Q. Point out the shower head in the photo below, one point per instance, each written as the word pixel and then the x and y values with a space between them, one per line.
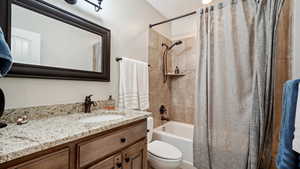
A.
pixel 173 45
pixel 178 42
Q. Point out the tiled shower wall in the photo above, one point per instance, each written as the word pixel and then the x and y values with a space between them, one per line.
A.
pixel 160 92
pixel 183 88
pixel 178 93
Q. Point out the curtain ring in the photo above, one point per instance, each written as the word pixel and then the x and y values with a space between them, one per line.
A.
pixel 201 11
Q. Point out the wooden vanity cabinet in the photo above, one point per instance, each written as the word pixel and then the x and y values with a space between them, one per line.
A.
pixel 122 148
pixel 110 163
pixel 135 157
pixel 100 147
pixel 56 160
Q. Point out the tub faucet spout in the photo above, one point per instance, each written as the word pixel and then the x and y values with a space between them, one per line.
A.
pixel 164 113
pixel 163 118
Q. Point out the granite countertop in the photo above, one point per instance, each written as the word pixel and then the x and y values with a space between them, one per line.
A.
pixel 40 134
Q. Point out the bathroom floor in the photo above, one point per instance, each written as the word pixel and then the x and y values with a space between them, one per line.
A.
pixel 183 166
pixel 186 166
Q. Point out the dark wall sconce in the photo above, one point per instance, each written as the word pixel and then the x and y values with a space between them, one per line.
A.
pixel 97 6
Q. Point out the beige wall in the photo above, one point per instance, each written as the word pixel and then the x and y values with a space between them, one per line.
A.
pixel 128 21
pixel 284 64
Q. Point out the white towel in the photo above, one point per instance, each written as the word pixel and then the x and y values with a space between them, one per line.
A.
pixel 296 141
pixel 134 85
pixel 128 89
pixel 143 85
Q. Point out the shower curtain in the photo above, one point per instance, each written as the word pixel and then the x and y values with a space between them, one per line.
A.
pixel 235 84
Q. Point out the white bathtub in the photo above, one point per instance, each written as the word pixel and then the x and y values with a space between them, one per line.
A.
pixel 179 135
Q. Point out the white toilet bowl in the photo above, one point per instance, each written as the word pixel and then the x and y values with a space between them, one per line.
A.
pixel 162 155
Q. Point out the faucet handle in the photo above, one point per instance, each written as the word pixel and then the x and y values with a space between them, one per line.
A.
pixel 162 109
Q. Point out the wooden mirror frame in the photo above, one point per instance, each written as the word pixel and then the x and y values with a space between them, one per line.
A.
pixel 47 72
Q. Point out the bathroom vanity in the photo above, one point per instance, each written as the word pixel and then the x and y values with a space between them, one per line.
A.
pixel 76 142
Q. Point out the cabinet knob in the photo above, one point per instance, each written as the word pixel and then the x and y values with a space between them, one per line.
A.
pixel 123 140
pixel 119 165
pixel 127 160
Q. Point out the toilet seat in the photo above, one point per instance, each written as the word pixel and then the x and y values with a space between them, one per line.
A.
pixel 160 163
pixel 164 150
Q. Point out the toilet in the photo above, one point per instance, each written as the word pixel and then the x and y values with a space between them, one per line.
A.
pixel 161 155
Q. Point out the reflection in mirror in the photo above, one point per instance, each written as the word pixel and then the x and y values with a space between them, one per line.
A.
pixel 40 40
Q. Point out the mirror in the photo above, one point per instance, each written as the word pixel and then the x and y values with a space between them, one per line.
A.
pixel 39 40
pixel 48 42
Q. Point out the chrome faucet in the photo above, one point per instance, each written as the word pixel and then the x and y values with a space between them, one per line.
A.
pixel 88 103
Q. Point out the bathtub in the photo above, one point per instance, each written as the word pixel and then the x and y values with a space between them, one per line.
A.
pixel 179 135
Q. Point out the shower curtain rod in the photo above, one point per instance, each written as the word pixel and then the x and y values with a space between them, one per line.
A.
pixel 170 20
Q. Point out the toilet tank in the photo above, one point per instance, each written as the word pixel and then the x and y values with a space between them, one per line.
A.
pixel 149 129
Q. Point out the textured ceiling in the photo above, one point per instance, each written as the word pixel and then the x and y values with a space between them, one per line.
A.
pixel 173 8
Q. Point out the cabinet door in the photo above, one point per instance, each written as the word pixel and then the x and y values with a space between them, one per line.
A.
pixel 105 164
pixel 113 162
pixel 135 156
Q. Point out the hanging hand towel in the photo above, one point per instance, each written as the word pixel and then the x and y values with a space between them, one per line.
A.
pixel 5 56
pixel 143 85
pixel 287 158
pixel 128 89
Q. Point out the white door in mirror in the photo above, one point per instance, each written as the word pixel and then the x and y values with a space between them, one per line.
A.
pixel 26 46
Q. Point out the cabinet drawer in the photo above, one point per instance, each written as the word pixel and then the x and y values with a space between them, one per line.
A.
pixel 100 147
pixel 57 160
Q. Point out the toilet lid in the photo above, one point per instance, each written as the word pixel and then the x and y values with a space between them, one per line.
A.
pixel 164 150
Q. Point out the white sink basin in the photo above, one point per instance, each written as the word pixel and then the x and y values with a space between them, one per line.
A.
pixel 101 118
